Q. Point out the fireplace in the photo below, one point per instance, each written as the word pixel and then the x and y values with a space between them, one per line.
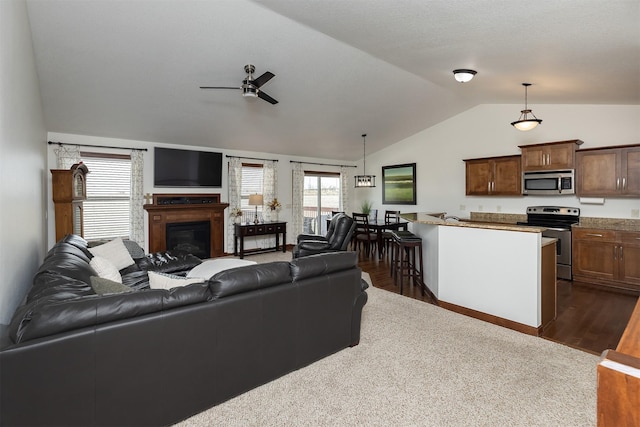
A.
pixel 191 237
pixel 186 209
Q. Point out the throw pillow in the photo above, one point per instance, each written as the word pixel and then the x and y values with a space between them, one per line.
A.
pixel 134 249
pixel 102 286
pixel 168 281
pixel 210 267
pixel 105 269
pixel 114 251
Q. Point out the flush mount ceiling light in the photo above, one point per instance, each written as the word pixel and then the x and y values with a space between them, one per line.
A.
pixel 524 122
pixel 365 180
pixel 464 75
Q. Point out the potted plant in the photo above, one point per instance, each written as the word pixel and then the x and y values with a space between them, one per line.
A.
pixel 274 207
pixel 365 207
pixel 236 214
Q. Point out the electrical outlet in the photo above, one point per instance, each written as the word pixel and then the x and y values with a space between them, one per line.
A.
pixel 635 213
pixel 499 208
pixel 480 208
pixel 463 207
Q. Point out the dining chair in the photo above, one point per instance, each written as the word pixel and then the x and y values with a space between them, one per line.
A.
pixel 390 217
pixel 363 236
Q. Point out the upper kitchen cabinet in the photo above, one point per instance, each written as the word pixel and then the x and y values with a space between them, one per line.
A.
pixel 549 155
pixel 494 176
pixel 608 172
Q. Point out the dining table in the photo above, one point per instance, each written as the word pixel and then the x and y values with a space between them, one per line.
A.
pixel 381 226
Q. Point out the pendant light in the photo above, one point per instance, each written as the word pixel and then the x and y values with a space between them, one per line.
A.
pixel 524 122
pixel 365 180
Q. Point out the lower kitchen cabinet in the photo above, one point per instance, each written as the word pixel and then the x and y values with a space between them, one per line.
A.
pixel 607 257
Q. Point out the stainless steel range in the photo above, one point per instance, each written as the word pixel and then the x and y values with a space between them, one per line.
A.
pixel 558 221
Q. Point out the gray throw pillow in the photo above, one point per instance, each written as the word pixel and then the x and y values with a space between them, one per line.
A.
pixel 102 286
pixel 134 249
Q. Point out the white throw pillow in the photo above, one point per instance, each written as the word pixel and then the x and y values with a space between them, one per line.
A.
pixel 210 267
pixel 114 251
pixel 105 269
pixel 168 281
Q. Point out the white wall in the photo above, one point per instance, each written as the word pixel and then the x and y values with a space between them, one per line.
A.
pixel 284 173
pixel 22 159
pixel 485 131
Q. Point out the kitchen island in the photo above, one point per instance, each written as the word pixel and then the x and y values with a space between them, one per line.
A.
pixel 501 273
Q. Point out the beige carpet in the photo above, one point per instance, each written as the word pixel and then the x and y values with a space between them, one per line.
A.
pixel 420 365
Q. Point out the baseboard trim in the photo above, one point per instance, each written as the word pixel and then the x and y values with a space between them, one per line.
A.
pixel 510 324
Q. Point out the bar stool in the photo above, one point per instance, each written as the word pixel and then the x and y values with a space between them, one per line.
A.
pixel 403 259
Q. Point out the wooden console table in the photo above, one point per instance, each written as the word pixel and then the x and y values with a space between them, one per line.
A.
pixel 262 229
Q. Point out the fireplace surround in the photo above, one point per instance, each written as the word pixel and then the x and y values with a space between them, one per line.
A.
pixel 181 209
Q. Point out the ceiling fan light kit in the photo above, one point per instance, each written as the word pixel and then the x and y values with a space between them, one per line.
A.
pixel 525 123
pixel 251 87
pixel 363 181
pixel 464 75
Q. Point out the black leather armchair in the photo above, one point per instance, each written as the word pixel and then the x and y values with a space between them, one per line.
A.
pixel 341 228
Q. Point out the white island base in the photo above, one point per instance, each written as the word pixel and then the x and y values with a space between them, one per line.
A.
pixel 499 275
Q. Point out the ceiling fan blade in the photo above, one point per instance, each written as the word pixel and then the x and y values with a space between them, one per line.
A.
pixel 266 97
pixel 259 81
pixel 219 87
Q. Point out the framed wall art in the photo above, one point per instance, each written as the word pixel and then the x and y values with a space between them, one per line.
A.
pixel 399 184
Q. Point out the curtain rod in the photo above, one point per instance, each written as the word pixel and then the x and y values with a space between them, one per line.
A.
pixel 251 158
pixel 96 146
pixel 322 164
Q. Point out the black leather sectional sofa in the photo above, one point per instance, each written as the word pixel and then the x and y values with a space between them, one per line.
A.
pixel 154 356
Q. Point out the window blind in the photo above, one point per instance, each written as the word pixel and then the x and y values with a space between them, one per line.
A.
pixel 107 208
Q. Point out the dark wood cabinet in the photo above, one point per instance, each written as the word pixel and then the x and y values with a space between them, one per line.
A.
pixel 549 155
pixel 607 257
pixel 495 176
pixel 608 172
pixel 69 190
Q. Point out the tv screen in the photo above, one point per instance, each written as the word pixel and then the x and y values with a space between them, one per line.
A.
pixel 186 168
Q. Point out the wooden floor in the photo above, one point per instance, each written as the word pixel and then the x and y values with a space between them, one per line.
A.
pixel 590 318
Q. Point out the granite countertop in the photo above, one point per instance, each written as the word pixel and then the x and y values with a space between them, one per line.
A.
pixel 436 219
pixel 618 224
pixel 548 240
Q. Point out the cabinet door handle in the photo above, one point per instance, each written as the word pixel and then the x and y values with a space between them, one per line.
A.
pixel 489 187
pixel 594 235
pixel 624 183
pixel 617 183
pixel 615 253
pixel 621 255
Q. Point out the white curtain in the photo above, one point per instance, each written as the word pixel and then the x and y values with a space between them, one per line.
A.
pixel 345 189
pixel 235 187
pixel 269 182
pixel 269 192
pixel 67 156
pixel 297 214
pixel 136 226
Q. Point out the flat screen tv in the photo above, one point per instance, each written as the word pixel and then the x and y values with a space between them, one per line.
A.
pixel 186 168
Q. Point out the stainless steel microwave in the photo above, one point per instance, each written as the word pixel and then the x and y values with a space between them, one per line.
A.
pixel 549 182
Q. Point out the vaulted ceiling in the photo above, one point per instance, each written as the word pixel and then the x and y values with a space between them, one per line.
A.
pixel 132 69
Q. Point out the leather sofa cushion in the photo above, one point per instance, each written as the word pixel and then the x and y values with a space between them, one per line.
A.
pixel 320 264
pixel 244 279
pixel 48 316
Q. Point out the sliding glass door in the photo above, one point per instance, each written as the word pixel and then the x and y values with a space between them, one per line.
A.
pixel 321 197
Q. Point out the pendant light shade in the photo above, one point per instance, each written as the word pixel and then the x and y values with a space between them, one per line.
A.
pixel 525 122
pixel 365 180
pixel 463 75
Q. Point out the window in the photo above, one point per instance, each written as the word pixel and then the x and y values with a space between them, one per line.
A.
pixel 108 205
pixel 321 197
pixel 252 183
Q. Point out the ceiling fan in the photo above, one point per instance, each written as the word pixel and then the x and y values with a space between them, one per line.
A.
pixel 250 86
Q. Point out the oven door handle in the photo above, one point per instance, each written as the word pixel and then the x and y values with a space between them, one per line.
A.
pixel 556 229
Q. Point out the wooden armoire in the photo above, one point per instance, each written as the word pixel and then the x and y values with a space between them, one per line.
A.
pixel 69 190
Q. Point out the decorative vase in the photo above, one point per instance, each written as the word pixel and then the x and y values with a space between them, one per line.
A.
pixel 274 216
pixel 238 220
